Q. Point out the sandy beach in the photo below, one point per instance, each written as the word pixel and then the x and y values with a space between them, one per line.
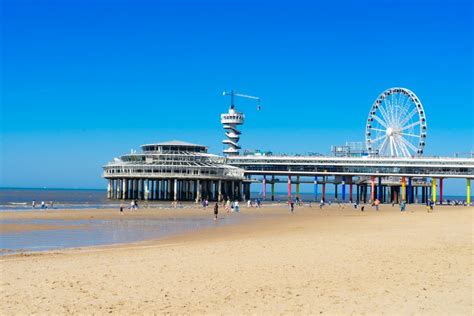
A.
pixel 331 261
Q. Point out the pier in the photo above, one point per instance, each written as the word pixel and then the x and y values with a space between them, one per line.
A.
pixel 179 171
pixel 389 167
pixel 361 179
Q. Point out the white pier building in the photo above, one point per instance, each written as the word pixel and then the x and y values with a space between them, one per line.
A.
pixel 172 171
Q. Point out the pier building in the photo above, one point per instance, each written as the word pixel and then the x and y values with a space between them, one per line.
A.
pixel 186 172
pixel 172 171
pixel 391 167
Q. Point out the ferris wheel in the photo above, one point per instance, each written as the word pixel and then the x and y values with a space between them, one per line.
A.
pixel 396 126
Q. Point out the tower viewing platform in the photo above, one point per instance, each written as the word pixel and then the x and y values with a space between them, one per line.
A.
pixel 230 121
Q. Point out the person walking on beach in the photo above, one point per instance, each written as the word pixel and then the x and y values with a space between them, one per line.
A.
pixel 291 203
pixel 51 204
pixel 43 205
pixel 216 211
pixel 33 204
pixel 377 202
pixel 321 204
pixel 227 205
pixel 236 206
pixel 121 207
pixel 402 206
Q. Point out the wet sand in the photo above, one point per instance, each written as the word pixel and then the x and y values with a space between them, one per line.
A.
pixel 336 261
pixel 17 228
pixel 142 213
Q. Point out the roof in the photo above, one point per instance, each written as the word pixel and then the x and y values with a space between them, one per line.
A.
pixel 175 143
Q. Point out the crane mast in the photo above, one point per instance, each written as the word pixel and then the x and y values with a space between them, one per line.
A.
pixel 234 94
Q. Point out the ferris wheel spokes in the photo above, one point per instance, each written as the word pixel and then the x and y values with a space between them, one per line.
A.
pixel 396 125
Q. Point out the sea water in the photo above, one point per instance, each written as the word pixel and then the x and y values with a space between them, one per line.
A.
pixel 21 199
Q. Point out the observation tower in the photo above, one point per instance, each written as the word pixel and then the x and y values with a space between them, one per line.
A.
pixel 231 120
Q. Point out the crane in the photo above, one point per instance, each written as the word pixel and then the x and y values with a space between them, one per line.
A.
pixel 234 94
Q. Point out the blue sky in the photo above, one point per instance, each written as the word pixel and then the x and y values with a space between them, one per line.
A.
pixel 85 81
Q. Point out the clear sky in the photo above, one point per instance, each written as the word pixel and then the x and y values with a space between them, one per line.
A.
pixel 85 81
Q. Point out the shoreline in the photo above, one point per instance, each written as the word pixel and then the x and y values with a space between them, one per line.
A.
pixel 250 216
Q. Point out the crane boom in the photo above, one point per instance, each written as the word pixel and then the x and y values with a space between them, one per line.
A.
pixel 234 94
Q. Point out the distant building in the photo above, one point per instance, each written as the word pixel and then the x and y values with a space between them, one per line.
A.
pixel 352 149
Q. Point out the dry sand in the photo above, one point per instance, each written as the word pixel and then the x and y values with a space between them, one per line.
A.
pixel 335 261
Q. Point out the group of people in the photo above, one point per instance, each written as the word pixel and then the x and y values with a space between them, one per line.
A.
pixel 257 203
pixel 228 206
pixel 133 206
pixel 43 204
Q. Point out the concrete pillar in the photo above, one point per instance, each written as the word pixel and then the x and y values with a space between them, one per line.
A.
pixel 335 190
pixel 219 190
pixel 273 188
pixel 239 187
pixel 403 189
pixel 410 191
pixel 139 189
pixel 343 184
pixel 316 188
pixel 124 188
pixel 198 190
pixel 117 187
pixel 130 189
pixel 433 190
pixel 189 192
pixel 168 189
pixel 289 187
pixel 441 190
pixel 380 190
pixel 145 189
pixel 152 189
pixel 248 191
pixel 372 187
pixel 365 188
pixel 350 189
pixel 175 189
pixel 135 188
pixel 179 190
pixel 297 187
pixel 203 189
pixel 264 188
pixel 109 188
pixel 157 189
pixel 190 196
pixel 468 191
pixel 323 197
pixel 163 189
